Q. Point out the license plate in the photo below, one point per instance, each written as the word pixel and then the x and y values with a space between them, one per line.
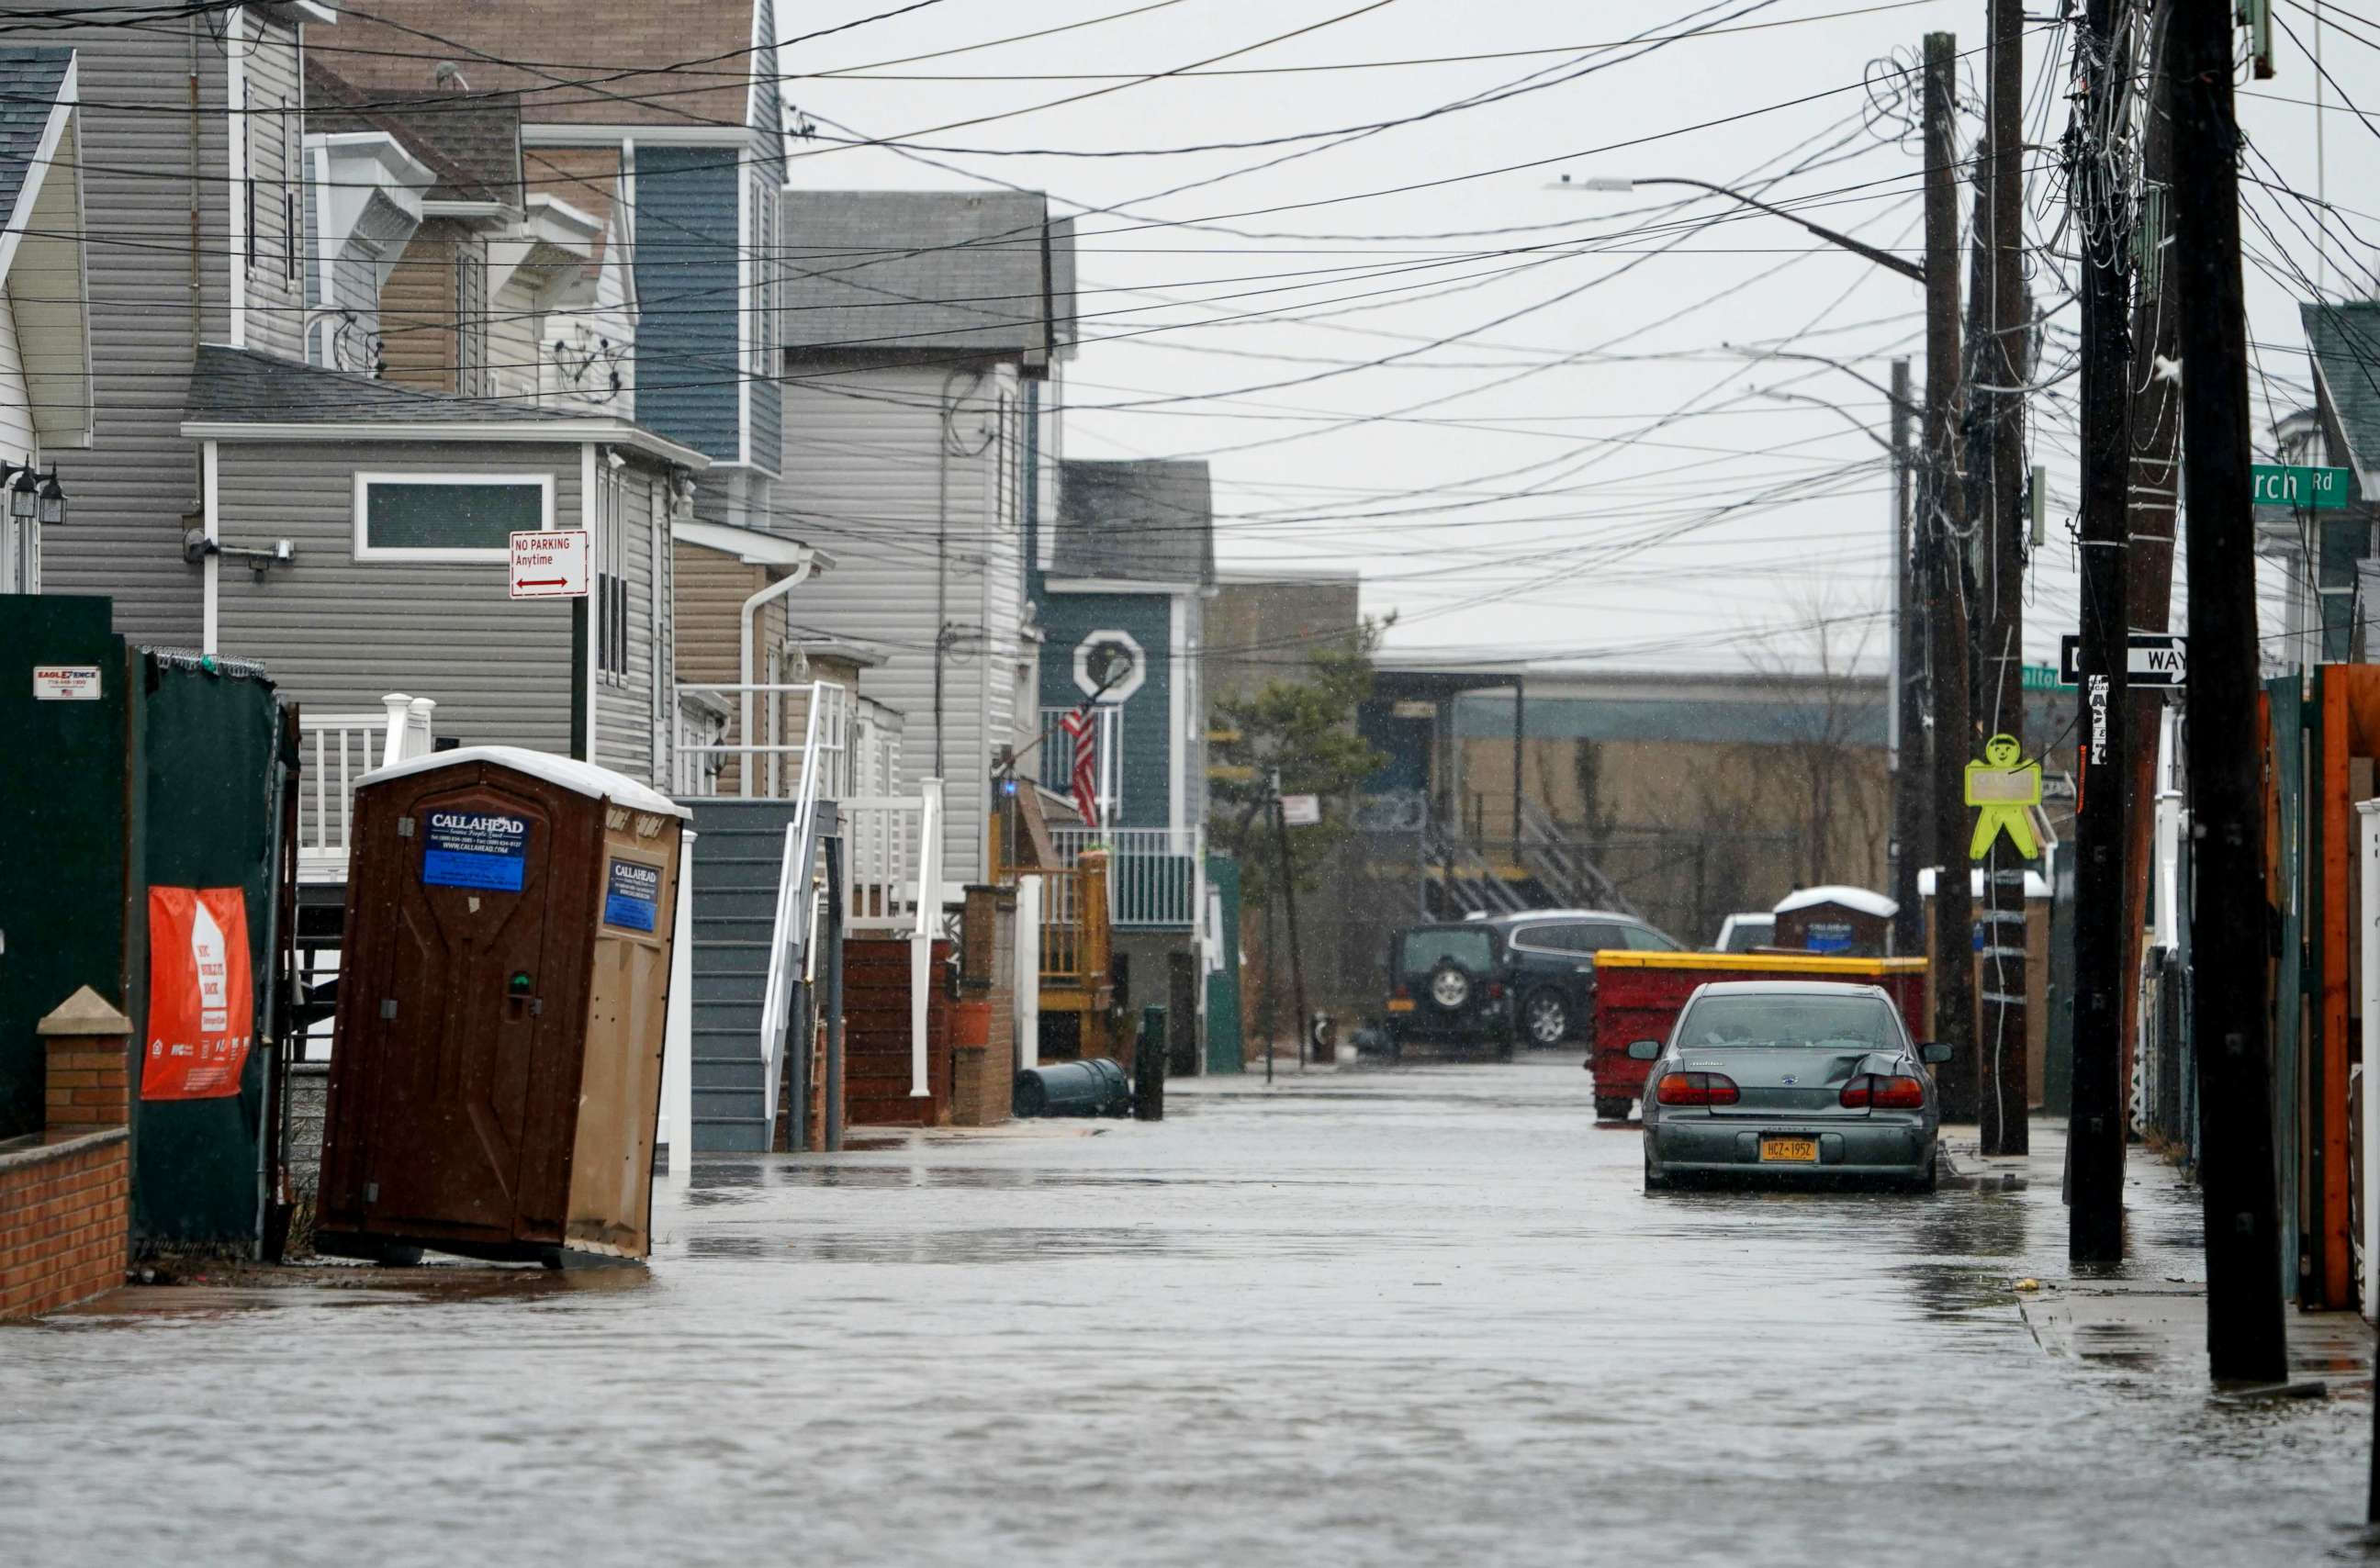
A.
pixel 1802 1152
pixel 1400 1005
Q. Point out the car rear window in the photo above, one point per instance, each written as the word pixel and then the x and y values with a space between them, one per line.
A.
pixel 1475 950
pixel 1792 1022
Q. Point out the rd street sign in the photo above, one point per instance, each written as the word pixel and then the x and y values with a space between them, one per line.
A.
pixel 2156 659
pixel 2318 490
pixel 550 566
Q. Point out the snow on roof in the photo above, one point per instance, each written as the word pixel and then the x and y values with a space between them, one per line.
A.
pixel 1857 898
pixel 2035 885
pixel 584 778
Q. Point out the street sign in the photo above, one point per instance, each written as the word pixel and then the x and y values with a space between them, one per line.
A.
pixel 2041 677
pixel 550 566
pixel 2318 490
pixel 1301 811
pixel 2156 658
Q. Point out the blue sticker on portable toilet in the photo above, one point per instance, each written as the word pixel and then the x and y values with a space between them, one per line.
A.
pixel 487 850
pixel 632 895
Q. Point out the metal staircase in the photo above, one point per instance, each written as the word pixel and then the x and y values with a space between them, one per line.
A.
pixel 739 855
pixel 1565 871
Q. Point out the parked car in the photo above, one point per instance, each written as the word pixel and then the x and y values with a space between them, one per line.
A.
pixel 1741 933
pixel 1445 986
pixel 1798 1079
pixel 1550 967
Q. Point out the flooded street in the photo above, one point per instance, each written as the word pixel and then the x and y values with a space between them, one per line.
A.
pixel 1425 1316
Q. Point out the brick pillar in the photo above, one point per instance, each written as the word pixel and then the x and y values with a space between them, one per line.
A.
pixel 89 1084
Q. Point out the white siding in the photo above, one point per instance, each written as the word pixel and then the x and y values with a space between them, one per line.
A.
pixel 20 544
pixel 513 333
pixel 337 633
pixel 863 481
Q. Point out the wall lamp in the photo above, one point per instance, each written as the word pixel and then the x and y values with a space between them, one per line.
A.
pixel 31 496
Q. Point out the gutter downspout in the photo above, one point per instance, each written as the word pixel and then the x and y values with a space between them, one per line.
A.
pixel 744 631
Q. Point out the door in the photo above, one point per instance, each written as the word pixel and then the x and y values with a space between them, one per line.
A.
pixel 466 1023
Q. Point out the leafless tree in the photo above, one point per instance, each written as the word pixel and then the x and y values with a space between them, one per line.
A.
pixel 1827 757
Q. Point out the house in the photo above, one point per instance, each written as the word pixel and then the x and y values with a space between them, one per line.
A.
pixel 2329 548
pixel 46 396
pixel 677 169
pixel 1120 582
pixel 925 336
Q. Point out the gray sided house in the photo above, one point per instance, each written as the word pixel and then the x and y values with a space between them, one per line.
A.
pixel 678 173
pixel 191 226
pixel 354 541
pixel 924 333
pixel 2331 586
pixel 44 304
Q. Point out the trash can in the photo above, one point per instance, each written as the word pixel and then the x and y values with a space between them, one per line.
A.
pixel 496 1061
pixel 1093 1088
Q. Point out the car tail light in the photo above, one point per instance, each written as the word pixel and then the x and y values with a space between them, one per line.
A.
pixel 1403 993
pixel 1495 991
pixel 1696 1088
pixel 1877 1091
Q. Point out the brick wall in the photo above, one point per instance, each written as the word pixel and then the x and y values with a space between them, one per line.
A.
pixel 983 1023
pixel 63 1212
pixel 66 1198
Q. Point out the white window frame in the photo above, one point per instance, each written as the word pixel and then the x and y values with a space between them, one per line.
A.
pixel 366 550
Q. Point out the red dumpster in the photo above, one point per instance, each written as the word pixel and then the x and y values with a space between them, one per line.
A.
pixel 1638 996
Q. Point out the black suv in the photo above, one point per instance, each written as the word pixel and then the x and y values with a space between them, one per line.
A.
pixel 1548 966
pixel 1445 986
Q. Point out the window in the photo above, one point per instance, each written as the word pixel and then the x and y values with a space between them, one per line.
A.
pixel 611 583
pixel 762 304
pixel 1862 1022
pixel 448 517
pixel 1473 949
pixel 470 319
pixel 1644 939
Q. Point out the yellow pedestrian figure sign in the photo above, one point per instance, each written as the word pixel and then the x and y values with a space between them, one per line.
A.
pixel 2004 790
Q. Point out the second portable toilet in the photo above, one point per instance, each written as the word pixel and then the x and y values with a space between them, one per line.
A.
pixel 495 1074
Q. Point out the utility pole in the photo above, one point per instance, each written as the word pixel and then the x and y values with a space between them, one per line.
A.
pixel 1943 509
pixel 2229 994
pixel 1289 907
pixel 1909 835
pixel 2104 228
pixel 2001 367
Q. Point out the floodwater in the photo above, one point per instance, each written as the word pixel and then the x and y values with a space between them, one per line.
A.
pixel 1414 1317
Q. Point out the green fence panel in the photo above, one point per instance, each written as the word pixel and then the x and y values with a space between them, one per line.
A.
pixel 63 826
pixel 1225 1051
pixel 2290 759
pixel 210 818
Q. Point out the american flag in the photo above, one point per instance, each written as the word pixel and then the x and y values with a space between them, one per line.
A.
pixel 1083 780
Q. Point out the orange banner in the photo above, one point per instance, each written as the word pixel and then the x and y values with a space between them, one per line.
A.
pixel 202 995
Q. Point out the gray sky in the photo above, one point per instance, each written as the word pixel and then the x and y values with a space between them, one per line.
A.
pixel 1576 451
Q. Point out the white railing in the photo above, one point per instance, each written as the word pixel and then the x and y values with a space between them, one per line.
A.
pixel 789 933
pixel 1154 874
pixel 335 751
pixel 764 763
pixel 885 852
pixel 921 934
pixel 695 761
pixel 1057 754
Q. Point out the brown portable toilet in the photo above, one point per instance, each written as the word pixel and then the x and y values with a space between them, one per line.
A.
pixel 504 988
pixel 1846 922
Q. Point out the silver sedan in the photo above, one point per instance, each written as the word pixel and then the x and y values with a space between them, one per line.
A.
pixel 1804 1080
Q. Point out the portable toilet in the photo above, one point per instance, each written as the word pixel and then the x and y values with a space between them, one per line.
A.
pixel 504 988
pixel 1847 922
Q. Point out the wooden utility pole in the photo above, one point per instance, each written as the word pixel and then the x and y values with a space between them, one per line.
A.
pixel 2002 365
pixel 1943 510
pixel 1909 766
pixel 2230 1000
pixel 2103 226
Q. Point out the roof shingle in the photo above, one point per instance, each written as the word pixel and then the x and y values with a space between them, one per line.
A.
pixel 2344 340
pixel 897 271
pixel 1146 520
pixel 30 78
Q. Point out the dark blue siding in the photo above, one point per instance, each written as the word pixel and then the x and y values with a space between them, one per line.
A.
pixel 687 372
pixel 769 118
pixel 1148 619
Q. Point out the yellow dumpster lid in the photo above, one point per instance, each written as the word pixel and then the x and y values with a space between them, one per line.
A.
pixel 1759 963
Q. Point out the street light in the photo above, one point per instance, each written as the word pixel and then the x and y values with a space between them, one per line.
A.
pixel 1900 264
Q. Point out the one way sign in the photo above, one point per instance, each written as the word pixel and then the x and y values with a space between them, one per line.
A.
pixel 2156 659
